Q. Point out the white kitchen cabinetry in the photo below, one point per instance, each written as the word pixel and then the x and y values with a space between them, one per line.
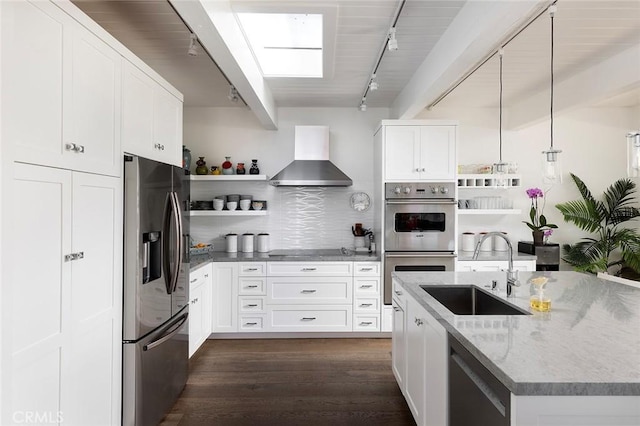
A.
pixel 366 296
pixel 66 81
pixel 420 366
pixel 494 265
pixel 225 297
pixel 151 118
pixel 252 291
pixel 419 152
pixel 65 342
pixel 200 308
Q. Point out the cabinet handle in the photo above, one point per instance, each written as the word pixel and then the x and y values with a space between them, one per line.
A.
pixel 366 323
pixel 308 318
pixel 398 292
pixel 419 322
pixel 159 146
pixel 252 286
pixel 417 170
pixel 250 269
pixel 193 280
pixel 423 169
pixel 252 305
pixel 365 305
pixel 206 275
pixel 366 286
pixel 250 323
pixel 308 269
pixel 395 308
pixel 308 291
pixel 366 269
pixel 73 256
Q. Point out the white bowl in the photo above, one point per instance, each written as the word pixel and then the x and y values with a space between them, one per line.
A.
pixel 245 204
pixel 232 205
pixel 218 204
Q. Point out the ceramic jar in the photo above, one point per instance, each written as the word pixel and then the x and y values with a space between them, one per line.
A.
pixel 254 170
pixel 202 167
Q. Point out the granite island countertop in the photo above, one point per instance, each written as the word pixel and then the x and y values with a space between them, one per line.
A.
pixel 301 255
pixel 588 344
pixel 494 255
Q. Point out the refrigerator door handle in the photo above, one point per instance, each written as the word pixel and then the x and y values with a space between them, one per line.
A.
pixel 179 239
pixel 166 231
pixel 168 333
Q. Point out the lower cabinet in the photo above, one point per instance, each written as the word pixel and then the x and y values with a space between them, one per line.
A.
pixel 420 362
pixel 224 296
pixel 200 306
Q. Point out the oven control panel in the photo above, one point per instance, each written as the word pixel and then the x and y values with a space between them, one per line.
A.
pixel 420 190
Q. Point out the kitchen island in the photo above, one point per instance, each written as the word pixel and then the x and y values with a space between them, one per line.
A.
pixel 577 364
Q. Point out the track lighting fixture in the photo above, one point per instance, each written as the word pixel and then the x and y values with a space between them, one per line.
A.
pixel 551 170
pixel 193 50
pixel 392 44
pixel 500 168
pixel 233 94
pixel 373 85
pixel 363 105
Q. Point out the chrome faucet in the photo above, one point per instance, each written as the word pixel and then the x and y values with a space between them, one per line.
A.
pixel 512 275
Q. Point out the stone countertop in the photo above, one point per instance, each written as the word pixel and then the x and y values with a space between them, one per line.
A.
pixel 321 255
pixel 588 344
pixel 494 255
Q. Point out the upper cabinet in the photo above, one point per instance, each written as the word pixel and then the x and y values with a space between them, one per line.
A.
pixel 151 118
pixel 419 152
pixel 61 91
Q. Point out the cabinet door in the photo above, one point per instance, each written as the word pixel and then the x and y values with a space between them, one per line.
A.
pixel 32 70
pixel 195 318
pixel 91 394
pixel 92 105
pixel 225 297
pixel 415 360
pixel 398 344
pixel 37 331
pixel 207 307
pixel 167 133
pixel 436 362
pixel 437 152
pixel 137 111
pixel 401 147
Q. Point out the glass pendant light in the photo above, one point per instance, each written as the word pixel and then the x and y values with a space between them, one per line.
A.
pixel 633 154
pixel 551 170
pixel 500 168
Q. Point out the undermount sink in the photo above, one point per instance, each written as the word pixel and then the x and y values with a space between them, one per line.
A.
pixel 471 300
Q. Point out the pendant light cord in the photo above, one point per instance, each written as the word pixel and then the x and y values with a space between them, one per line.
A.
pixel 552 11
pixel 501 52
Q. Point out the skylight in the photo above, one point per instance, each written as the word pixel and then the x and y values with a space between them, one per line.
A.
pixel 285 45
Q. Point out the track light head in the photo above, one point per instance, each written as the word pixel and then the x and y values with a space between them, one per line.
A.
pixel 363 105
pixel 373 84
pixel 193 50
pixel 233 94
pixel 392 44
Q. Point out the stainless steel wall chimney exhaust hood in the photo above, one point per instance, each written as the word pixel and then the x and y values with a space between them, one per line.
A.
pixel 311 165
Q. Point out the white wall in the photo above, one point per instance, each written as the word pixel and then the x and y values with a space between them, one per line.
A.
pixel 298 217
pixel 593 145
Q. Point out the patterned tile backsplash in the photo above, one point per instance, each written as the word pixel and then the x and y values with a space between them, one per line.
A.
pixel 297 217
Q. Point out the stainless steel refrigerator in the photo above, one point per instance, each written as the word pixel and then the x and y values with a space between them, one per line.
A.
pixel 155 306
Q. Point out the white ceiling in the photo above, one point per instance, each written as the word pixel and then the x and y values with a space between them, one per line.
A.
pixel 587 32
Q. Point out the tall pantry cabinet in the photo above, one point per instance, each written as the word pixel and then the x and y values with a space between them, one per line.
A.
pixel 61 214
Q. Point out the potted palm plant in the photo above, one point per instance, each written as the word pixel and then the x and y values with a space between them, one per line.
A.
pixel 613 246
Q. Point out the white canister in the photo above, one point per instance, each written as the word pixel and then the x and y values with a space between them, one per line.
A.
pixel 232 243
pixel 487 244
pixel 263 243
pixel 468 241
pixel 247 243
pixel 500 244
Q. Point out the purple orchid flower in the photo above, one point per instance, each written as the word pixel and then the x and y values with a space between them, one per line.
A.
pixel 534 193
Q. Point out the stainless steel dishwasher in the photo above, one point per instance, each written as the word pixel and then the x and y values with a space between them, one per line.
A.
pixel 476 397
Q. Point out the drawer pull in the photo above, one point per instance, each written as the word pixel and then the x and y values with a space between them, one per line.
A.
pixel 396 309
pixel 251 269
pixel 366 269
pixel 252 305
pixel 366 286
pixel 193 280
pixel 366 323
pixel 398 292
pixel 418 322
pixel 309 269
pixel 308 318
pixel 366 305
pixel 250 323
pixel 252 286
pixel 308 291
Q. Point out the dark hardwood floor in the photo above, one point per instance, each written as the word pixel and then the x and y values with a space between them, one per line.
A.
pixel 285 382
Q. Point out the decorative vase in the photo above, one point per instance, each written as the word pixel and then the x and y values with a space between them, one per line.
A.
pixel 226 166
pixel 240 170
pixel 538 238
pixel 202 167
pixel 215 170
pixel 254 170
pixel 186 158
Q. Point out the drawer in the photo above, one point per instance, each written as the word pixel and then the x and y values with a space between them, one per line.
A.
pixel 251 304
pixel 252 286
pixel 251 323
pixel 366 269
pixel 363 304
pixel 316 290
pixel 196 277
pixel 252 269
pixel 309 318
pixel 366 286
pixel 398 292
pixel 366 323
pixel 324 269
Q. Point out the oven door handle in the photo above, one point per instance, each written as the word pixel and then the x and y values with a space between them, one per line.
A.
pixel 441 201
pixel 419 254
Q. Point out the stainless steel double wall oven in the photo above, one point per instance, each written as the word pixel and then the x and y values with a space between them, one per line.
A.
pixel 419 229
